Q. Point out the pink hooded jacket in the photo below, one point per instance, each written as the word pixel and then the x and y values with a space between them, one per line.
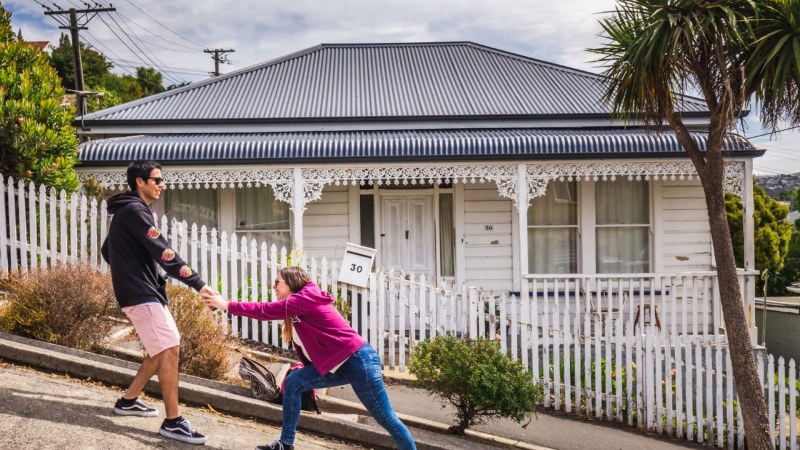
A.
pixel 327 337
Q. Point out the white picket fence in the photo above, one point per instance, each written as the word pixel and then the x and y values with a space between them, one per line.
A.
pixel 645 350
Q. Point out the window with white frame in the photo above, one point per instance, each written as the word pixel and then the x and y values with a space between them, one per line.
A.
pixel 622 224
pixel 553 230
pixel 261 216
pixel 195 206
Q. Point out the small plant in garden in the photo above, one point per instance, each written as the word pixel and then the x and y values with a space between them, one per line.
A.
pixel 65 305
pixel 476 378
pixel 204 350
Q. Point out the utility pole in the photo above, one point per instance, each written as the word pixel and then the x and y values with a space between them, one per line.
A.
pixel 73 26
pixel 217 58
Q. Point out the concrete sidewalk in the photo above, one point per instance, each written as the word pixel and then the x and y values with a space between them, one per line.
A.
pixel 343 416
pixel 42 410
pixel 226 398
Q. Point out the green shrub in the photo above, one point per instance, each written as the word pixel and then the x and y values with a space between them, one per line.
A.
pixel 204 346
pixel 476 378
pixel 64 305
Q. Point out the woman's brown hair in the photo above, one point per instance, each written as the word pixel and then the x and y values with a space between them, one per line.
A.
pixel 295 278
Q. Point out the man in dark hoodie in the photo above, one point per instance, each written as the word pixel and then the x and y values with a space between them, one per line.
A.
pixel 135 249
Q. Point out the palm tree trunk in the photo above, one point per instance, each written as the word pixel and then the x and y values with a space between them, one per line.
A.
pixel 745 373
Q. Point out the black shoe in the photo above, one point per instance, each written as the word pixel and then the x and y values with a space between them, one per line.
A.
pixel 134 407
pixel 277 445
pixel 181 431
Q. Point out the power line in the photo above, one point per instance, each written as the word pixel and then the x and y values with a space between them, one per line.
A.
pixel 142 50
pixel 126 45
pixel 187 48
pixel 130 63
pixel 123 67
pixel 773 132
pixel 164 26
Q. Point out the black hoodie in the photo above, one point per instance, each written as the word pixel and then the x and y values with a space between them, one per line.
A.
pixel 133 247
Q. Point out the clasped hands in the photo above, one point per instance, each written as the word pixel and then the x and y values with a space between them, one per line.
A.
pixel 212 299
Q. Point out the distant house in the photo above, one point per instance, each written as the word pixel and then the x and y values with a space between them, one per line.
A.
pixel 42 46
pixel 457 161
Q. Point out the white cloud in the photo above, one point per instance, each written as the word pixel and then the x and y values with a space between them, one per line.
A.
pixel 261 30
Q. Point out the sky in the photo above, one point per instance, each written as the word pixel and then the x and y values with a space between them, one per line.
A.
pixel 171 35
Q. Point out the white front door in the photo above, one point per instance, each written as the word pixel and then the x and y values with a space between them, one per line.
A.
pixel 408 242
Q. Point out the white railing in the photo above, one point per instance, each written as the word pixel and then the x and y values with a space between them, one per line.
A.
pixel 642 349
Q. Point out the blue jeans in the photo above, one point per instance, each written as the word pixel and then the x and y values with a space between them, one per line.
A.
pixel 363 372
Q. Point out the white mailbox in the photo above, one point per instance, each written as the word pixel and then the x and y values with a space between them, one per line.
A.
pixel 356 265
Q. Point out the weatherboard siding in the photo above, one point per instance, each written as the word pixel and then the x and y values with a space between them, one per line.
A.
pixel 326 228
pixel 684 228
pixel 488 252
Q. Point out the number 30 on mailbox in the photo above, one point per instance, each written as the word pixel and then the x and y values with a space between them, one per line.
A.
pixel 356 265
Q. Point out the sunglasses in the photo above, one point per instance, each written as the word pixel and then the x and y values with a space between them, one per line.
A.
pixel 276 283
pixel 158 180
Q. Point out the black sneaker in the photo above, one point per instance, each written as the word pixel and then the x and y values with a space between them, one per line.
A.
pixel 277 445
pixel 134 407
pixel 181 431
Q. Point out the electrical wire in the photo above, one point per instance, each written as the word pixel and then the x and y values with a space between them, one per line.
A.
pixel 773 132
pixel 130 63
pixel 126 45
pixel 187 49
pixel 166 27
pixel 152 58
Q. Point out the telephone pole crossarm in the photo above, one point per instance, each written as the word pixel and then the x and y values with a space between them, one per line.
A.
pixel 217 58
pixel 73 26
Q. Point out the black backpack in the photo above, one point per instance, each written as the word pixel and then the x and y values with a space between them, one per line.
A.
pixel 262 382
pixel 264 387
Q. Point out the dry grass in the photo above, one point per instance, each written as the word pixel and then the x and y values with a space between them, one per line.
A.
pixel 64 305
pixel 204 351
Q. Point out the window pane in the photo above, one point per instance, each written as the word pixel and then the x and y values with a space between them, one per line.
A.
pixel 622 202
pixel 623 250
pixel 559 205
pixel 257 209
pixel 552 250
pixel 447 237
pixel 368 220
pixel 192 205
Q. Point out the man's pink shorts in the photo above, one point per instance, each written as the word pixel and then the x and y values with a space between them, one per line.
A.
pixel 155 326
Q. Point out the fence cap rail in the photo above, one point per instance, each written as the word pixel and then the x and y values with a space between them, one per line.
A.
pixel 583 276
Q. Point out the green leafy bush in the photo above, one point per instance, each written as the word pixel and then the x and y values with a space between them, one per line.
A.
pixel 64 305
pixel 476 378
pixel 204 346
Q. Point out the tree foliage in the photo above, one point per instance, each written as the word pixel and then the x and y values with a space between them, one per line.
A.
pixel 772 236
pixel 37 141
pixel 95 66
pixel 791 265
pixel 98 77
pixel 476 378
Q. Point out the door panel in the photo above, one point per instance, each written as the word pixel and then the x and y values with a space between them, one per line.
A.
pixel 421 239
pixel 393 220
pixel 407 238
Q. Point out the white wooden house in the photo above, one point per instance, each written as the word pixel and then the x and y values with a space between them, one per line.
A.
pixel 458 161
pixel 488 173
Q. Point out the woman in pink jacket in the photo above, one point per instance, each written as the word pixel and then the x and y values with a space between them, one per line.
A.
pixel 333 353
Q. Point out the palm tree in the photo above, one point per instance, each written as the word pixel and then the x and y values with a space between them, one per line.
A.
pixel 730 51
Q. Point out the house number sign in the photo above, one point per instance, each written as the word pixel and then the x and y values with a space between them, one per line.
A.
pixel 356 265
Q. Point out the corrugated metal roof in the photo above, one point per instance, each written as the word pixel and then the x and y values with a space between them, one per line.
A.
pixel 407 145
pixel 337 81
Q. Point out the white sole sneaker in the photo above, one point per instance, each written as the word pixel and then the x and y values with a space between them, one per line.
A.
pixel 135 412
pixel 182 437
